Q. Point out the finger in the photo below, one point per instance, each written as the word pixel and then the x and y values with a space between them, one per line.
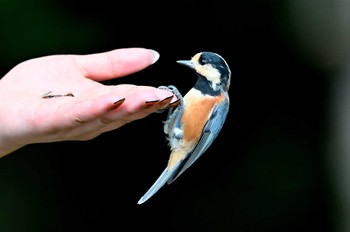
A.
pixel 91 118
pixel 123 115
pixel 82 112
pixel 116 63
pixel 137 107
pixel 140 101
pixel 127 114
pixel 140 93
pixel 80 119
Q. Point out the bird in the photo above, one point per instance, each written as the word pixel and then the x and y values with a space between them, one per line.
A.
pixel 193 125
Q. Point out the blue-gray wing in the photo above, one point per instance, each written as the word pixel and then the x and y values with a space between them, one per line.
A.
pixel 162 179
pixel 171 125
pixel 209 134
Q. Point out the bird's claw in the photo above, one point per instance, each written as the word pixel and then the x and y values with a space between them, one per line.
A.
pixel 175 91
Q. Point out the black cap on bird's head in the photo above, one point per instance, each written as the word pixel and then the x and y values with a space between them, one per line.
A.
pixel 212 67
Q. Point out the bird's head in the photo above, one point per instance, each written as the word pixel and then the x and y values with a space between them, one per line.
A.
pixel 212 67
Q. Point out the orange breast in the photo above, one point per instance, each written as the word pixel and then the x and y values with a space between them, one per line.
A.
pixel 196 113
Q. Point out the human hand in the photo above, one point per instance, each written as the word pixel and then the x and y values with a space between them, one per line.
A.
pixel 27 116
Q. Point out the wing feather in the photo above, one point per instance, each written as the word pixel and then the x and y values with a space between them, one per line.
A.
pixel 209 134
pixel 162 179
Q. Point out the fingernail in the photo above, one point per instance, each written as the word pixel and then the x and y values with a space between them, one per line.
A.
pixel 116 104
pixel 155 55
pixel 149 104
pixel 165 102
pixel 173 104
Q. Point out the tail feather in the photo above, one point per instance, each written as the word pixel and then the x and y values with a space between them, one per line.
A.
pixel 162 179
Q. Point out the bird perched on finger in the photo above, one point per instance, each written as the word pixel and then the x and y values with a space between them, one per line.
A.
pixel 195 123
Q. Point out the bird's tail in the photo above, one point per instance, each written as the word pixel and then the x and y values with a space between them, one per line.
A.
pixel 162 179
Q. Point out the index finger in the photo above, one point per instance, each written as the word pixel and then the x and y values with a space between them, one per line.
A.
pixel 115 63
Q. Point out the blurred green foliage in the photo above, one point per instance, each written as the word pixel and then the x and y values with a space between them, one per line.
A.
pixel 36 28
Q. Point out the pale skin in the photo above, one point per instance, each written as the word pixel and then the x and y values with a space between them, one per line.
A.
pixel 90 108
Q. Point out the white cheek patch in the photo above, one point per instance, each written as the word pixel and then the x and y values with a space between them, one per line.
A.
pixel 208 71
pixel 212 74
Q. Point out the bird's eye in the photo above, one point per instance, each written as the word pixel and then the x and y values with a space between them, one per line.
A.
pixel 201 61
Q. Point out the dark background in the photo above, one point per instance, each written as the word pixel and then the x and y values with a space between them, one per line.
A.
pixel 269 168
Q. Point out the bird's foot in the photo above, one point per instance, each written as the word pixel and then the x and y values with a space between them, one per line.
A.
pixel 176 92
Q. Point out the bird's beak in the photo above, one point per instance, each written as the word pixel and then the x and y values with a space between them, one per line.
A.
pixel 187 63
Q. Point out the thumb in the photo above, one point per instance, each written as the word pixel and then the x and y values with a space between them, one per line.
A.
pixel 116 63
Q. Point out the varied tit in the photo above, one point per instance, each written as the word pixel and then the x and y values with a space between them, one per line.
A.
pixel 195 123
